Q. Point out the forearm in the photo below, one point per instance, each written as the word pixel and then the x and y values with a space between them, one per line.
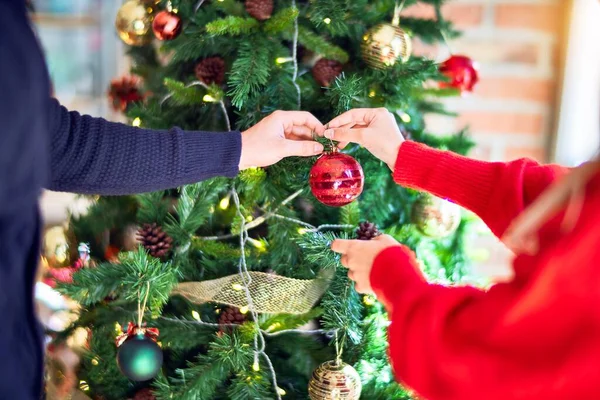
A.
pixel 92 155
pixel 495 191
pixel 451 342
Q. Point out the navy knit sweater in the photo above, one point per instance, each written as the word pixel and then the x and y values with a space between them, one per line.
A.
pixel 43 145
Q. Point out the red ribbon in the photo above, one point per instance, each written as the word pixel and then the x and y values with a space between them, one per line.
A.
pixel 134 329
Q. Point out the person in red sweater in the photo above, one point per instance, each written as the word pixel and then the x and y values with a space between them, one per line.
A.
pixel 535 337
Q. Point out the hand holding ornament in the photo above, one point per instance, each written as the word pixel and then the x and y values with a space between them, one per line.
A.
pixel 281 134
pixel 373 128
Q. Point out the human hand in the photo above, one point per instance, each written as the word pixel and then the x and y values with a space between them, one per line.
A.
pixel 374 128
pixel 358 256
pixel 281 134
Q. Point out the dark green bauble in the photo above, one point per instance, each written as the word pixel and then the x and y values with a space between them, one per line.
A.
pixel 139 358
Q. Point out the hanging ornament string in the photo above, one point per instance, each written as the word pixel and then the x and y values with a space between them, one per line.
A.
pixel 198 5
pixel 295 58
pixel 142 306
pixel 397 10
pixel 443 33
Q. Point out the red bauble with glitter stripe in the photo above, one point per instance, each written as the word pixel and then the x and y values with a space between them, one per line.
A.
pixel 336 179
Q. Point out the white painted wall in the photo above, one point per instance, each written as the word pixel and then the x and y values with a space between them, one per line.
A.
pixel 579 123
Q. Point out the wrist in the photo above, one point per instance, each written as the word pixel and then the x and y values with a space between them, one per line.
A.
pixel 393 156
pixel 243 156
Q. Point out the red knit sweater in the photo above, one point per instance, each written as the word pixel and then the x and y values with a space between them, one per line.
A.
pixel 536 337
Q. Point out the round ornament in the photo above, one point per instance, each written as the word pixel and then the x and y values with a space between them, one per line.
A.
pixel 133 23
pixel 435 217
pixel 384 45
pixel 139 358
pixel 56 246
pixel 336 179
pixel 461 71
pixel 334 381
pixel 166 25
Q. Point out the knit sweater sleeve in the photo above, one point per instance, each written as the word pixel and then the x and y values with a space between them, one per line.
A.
pixel 94 156
pixel 497 192
pixel 463 343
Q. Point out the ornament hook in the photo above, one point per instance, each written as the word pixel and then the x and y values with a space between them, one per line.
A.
pixel 397 9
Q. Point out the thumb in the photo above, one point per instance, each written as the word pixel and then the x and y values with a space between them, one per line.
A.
pixel 354 135
pixel 302 148
pixel 341 246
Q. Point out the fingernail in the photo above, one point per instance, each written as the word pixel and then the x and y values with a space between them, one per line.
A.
pixel 329 133
pixel 318 148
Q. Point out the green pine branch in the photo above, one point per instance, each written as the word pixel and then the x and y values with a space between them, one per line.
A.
pixel 231 25
pixel 282 20
pixel 319 45
pixel 250 71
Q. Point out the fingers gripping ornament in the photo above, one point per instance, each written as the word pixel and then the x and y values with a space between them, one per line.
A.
pixel 336 179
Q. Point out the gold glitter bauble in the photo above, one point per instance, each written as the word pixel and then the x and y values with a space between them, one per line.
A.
pixel 334 381
pixel 56 246
pixel 134 23
pixel 435 217
pixel 385 44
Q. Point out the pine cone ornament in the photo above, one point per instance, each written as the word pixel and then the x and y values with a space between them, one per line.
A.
pixel 123 92
pixel 211 70
pixel 155 240
pixel 367 231
pixel 232 315
pixel 325 71
pixel 144 394
pixel 260 9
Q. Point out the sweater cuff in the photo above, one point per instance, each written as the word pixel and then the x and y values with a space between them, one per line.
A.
pixel 445 174
pixel 395 269
pixel 211 154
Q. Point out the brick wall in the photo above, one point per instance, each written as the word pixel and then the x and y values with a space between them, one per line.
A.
pixel 516 43
pixel 511 112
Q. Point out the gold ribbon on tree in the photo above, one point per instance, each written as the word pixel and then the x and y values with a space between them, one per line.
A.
pixel 271 294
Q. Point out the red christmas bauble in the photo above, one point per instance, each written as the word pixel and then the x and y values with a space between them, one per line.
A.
pixel 461 71
pixel 336 179
pixel 166 25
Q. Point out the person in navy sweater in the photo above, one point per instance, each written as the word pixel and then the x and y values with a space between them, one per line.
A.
pixel 43 145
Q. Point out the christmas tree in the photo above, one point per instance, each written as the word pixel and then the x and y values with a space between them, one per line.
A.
pixel 228 286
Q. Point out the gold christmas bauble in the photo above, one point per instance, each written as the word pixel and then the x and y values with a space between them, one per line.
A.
pixel 56 246
pixel 134 22
pixel 384 45
pixel 435 217
pixel 334 381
